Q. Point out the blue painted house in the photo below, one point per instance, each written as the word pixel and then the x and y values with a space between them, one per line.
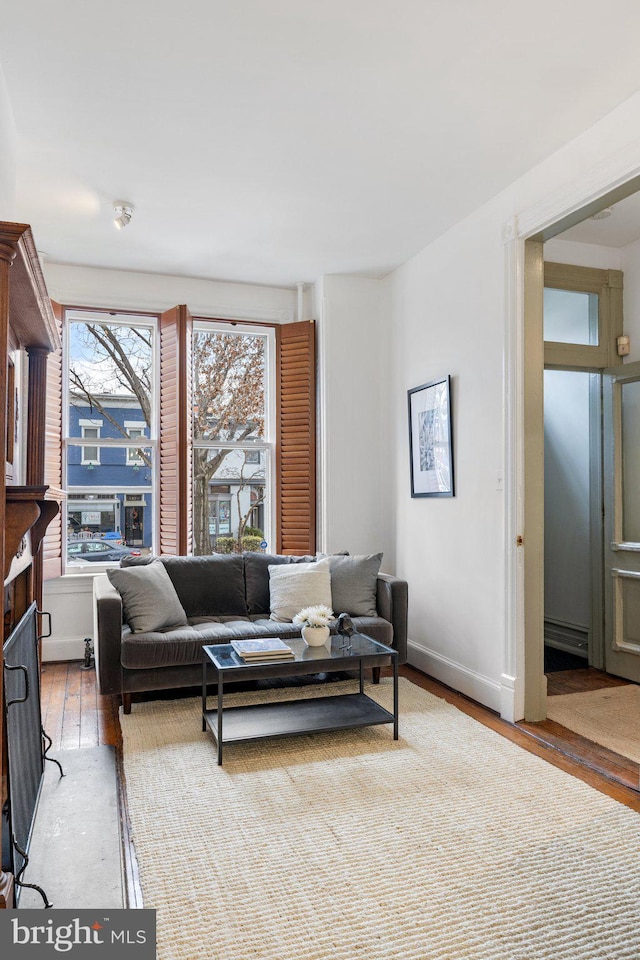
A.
pixel 110 487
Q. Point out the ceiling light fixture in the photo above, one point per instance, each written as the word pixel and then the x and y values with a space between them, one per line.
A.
pixel 603 214
pixel 122 213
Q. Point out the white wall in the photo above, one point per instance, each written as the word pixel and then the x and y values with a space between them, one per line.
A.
pixel 448 308
pixel 7 154
pixel 151 292
pixel 354 335
pixel 567 545
pixel 447 317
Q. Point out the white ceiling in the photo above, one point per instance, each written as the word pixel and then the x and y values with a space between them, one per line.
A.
pixel 618 230
pixel 273 141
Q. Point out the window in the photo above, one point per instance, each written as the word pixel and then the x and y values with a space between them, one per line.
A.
pixel 232 431
pixel 135 431
pixel 212 470
pixel 90 431
pixel 109 399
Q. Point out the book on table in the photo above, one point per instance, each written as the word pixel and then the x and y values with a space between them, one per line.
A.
pixel 269 648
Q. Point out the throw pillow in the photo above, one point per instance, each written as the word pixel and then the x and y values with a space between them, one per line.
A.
pixel 354 584
pixel 149 599
pixel 256 575
pixel 210 586
pixel 296 586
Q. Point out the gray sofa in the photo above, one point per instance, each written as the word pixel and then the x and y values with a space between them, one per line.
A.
pixel 223 596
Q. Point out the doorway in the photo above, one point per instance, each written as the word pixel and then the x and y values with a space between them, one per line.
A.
pixel 572 520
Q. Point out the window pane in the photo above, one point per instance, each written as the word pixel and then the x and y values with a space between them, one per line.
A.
pixel 570 316
pixel 111 379
pixel 228 386
pixel 108 526
pixel 230 496
pixel 110 376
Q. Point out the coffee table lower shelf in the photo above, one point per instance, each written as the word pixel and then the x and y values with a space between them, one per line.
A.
pixel 295 717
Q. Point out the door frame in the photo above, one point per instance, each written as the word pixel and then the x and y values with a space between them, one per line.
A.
pixel 523 683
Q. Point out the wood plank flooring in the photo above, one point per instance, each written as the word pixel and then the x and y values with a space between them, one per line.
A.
pixel 75 715
pixel 606 762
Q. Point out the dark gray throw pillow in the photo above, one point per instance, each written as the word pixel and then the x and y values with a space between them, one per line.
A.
pixel 354 584
pixel 149 599
pixel 210 586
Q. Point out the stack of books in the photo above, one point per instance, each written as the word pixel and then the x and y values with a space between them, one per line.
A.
pixel 256 651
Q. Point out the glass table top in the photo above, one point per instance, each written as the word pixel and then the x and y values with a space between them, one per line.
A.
pixel 359 645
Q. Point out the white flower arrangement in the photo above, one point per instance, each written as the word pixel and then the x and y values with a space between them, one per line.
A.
pixel 318 616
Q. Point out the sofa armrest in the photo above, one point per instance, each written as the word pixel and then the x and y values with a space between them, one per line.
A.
pixel 107 613
pixel 392 604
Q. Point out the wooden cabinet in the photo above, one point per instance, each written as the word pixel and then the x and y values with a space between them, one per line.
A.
pixel 28 333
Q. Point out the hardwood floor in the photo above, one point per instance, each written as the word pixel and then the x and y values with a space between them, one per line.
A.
pixel 75 715
pixel 604 761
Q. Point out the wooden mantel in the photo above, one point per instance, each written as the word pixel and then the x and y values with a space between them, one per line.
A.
pixel 26 509
pixel 27 323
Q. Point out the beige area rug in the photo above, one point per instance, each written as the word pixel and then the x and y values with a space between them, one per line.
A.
pixel 450 843
pixel 610 717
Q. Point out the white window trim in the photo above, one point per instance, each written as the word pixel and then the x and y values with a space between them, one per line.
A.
pixel 91 425
pixel 130 425
pixel 267 445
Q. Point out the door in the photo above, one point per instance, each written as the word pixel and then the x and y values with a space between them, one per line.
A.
pixel 621 420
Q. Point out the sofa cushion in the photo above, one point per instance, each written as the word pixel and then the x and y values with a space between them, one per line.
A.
pixel 354 584
pixel 293 587
pixel 183 645
pixel 209 586
pixel 256 575
pixel 149 599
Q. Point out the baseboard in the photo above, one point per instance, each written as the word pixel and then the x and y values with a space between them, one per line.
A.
pixel 63 648
pixel 480 688
pixel 567 635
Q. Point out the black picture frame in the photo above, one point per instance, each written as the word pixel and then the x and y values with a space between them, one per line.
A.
pixel 431 439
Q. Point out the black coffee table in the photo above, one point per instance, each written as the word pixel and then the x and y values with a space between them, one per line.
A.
pixel 291 717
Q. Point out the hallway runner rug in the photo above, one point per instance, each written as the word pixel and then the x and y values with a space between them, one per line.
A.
pixel 451 844
pixel 609 716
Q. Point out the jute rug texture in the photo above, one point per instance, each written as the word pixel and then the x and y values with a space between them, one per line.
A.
pixel 450 843
pixel 610 717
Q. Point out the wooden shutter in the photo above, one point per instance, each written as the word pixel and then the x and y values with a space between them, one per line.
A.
pixel 53 540
pixel 175 431
pixel 296 438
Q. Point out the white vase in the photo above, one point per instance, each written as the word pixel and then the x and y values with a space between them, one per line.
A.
pixel 315 636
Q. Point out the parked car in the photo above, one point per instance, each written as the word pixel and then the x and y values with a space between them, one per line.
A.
pixel 97 551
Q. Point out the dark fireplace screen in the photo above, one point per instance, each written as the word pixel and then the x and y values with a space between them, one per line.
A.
pixel 24 740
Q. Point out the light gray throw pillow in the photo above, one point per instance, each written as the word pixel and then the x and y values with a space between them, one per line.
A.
pixel 149 598
pixel 354 584
pixel 294 586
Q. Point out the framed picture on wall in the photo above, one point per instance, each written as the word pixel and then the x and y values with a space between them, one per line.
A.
pixel 430 439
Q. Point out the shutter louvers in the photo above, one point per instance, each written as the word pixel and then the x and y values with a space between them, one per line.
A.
pixel 296 438
pixel 53 541
pixel 175 430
